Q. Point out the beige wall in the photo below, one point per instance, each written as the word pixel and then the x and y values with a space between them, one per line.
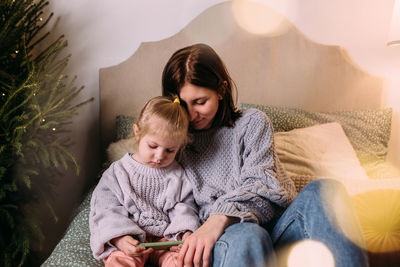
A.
pixel 103 33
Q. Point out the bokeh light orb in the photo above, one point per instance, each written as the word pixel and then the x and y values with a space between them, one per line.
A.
pixel 310 253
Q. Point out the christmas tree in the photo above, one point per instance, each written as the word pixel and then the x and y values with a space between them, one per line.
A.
pixel 36 109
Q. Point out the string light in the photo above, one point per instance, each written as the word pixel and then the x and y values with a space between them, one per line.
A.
pixel 16 51
pixel 54 129
pixel 3 94
pixel 41 19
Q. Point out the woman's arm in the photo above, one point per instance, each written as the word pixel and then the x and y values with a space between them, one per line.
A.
pixel 262 188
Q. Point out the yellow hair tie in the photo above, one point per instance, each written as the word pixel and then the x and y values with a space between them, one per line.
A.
pixel 176 100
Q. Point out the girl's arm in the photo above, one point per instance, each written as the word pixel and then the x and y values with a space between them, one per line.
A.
pixel 184 215
pixel 108 217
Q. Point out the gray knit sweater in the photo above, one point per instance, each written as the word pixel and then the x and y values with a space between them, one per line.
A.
pixel 236 172
pixel 133 199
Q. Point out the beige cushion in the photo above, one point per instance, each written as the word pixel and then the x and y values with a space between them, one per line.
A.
pixel 118 149
pixel 320 151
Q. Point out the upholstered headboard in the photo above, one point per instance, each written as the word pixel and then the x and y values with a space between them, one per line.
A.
pixel 285 69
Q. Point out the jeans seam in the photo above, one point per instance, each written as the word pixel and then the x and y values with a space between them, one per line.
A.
pixel 219 243
pixel 298 216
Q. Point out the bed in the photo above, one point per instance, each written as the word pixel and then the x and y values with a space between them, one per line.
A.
pixel 332 125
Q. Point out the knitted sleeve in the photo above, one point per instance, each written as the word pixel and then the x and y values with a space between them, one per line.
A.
pixel 108 217
pixel 183 214
pixel 262 189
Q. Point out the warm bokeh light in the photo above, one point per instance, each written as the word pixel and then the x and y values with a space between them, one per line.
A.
pixel 257 18
pixel 310 253
pixel 214 26
pixel 394 33
pixel 338 208
pixel 379 213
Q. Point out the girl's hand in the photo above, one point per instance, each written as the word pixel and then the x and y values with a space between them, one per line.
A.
pixel 198 246
pixel 127 244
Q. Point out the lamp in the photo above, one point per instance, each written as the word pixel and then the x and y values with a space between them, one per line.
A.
pixel 394 33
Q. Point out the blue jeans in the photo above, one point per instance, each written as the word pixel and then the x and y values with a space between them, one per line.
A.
pixel 318 213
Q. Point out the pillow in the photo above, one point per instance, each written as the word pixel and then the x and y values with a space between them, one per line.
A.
pixel 118 149
pixel 379 170
pixel 320 151
pixel 124 126
pixel 367 130
pixel 74 249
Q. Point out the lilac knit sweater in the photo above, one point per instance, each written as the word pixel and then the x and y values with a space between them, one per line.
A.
pixel 236 172
pixel 133 199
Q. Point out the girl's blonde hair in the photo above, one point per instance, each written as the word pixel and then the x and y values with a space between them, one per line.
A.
pixel 169 110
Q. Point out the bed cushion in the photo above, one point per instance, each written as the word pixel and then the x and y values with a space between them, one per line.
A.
pixel 74 249
pixel 367 130
pixel 123 125
pixel 319 151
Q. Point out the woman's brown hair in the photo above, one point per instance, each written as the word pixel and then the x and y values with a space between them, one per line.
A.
pixel 200 65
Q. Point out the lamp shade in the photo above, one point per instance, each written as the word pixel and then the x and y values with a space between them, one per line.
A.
pixel 394 33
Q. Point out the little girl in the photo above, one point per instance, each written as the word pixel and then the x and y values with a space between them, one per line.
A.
pixel 145 196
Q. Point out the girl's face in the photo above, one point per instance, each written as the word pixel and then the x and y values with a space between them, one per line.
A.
pixel 156 150
pixel 202 104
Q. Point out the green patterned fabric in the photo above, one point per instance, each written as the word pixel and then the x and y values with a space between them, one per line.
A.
pixel 124 127
pixel 74 247
pixel 367 130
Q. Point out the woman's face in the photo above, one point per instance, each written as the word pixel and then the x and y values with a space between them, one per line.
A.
pixel 202 104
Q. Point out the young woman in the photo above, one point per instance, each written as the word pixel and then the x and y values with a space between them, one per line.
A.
pixel 238 181
pixel 145 196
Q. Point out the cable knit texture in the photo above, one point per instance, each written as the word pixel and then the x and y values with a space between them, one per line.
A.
pixel 236 172
pixel 133 199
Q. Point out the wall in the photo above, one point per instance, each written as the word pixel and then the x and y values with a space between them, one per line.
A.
pixel 103 33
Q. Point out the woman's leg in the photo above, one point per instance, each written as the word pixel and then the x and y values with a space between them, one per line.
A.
pixel 244 244
pixel 323 212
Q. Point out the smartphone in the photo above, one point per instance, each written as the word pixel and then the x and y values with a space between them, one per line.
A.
pixel 160 245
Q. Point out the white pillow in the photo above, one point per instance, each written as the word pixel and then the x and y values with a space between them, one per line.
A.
pixel 118 149
pixel 320 151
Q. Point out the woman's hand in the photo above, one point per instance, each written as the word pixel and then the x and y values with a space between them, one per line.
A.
pixel 127 244
pixel 198 246
pixel 179 247
pixel 186 235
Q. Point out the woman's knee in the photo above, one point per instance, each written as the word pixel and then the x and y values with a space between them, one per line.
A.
pixel 245 233
pixel 322 192
pixel 322 185
pixel 244 244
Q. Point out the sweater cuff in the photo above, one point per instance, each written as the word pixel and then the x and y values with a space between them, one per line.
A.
pixel 229 209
